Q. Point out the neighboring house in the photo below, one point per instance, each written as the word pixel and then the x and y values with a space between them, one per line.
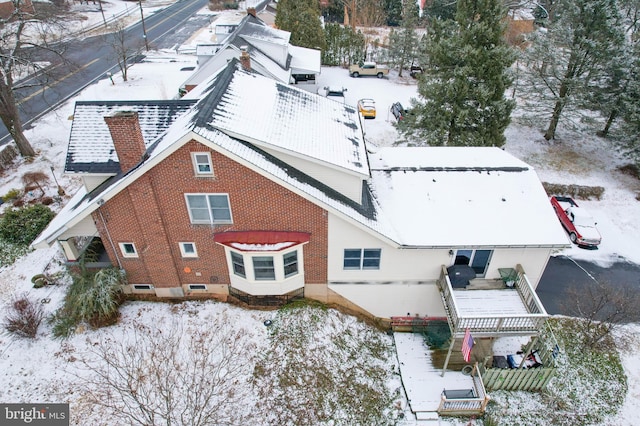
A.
pixel 202 196
pixel 7 7
pixel 269 49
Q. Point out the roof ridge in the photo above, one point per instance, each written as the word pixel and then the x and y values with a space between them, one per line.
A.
pixel 218 87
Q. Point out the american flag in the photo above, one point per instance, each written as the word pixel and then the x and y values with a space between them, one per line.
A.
pixel 467 345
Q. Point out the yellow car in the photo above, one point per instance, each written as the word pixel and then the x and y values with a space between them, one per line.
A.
pixel 367 107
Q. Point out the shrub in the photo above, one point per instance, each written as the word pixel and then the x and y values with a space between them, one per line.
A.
pixel 23 225
pixel 92 297
pixel 11 195
pixel 24 317
pixel 9 252
pixel 33 180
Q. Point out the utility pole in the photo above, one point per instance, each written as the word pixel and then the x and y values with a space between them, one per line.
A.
pixel 102 11
pixel 144 29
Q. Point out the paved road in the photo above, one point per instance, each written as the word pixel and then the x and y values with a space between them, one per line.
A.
pixel 565 278
pixel 92 58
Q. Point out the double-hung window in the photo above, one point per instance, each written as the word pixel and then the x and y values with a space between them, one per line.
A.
pixel 263 268
pixel 202 163
pixel 209 208
pixel 290 264
pixel 361 258
pixel 238 264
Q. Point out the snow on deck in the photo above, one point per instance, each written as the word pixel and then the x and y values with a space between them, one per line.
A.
pixel 475 303
pixel 422 382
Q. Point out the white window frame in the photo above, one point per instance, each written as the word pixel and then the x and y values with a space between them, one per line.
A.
pixel 196 164
pixel 246 261
pixel 185 253
pixel 211 220
pixel 233 264
pixel 284 264
pixel 362 259
pixel 127 253
pixel 472 259
pixel 254 257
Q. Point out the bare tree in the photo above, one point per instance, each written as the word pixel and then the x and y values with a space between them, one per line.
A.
pixel 124 51
pixel 603 307
pixel 27 38
pixel 170 375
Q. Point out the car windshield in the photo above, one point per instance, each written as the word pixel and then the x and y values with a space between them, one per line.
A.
pixel 582 219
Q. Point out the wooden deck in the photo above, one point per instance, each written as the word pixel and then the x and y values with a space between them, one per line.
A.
pixel 491 312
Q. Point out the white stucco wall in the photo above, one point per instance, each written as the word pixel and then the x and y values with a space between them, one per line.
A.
pixel 347 184
pixel 278 52
pixel 395 299
pixel 397 264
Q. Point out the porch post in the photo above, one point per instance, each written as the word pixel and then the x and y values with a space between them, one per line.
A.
pixel 446 361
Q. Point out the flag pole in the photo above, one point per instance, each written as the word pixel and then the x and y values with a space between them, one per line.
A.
pixel 446 361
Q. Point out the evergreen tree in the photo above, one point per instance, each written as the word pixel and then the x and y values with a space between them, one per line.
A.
pixel 613 93
pixel 461 94
pixel 578 41
pixel 344 45
pixel 403 43
pixel 441 9
pixel 393 10
pixel 302 19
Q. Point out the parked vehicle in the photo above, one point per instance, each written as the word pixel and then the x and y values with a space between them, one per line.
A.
pixel 398 111
pixel 415 71
pixel 578 223
pixel 367 107
pixel 335 92
pixel 368 68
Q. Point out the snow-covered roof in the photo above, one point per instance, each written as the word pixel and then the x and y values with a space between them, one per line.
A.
pixel 442 197
pixel 252 30
pixel 304 60
pixel 91 148
pixel 253 33
pixel 462 197
pixel 284 118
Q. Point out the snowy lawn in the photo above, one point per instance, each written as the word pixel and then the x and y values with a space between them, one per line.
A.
pixel 312 364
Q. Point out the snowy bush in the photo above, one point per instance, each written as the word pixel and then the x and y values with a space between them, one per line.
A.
pixel 23 225
pixel 93 297
pixel 23 317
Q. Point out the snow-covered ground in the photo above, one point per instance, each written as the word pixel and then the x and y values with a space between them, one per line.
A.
pixel 38 370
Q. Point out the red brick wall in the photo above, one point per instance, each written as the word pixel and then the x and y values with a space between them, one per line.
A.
pixel 127 138
pixel 6 8
pixel 152 213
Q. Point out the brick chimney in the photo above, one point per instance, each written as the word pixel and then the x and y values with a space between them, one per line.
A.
pixel 251 11
pixel 127 138
pixel 245 59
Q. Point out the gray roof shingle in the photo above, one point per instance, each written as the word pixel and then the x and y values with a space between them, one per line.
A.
pixel 90 147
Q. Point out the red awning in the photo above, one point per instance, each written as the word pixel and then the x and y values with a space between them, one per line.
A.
pixel 261 240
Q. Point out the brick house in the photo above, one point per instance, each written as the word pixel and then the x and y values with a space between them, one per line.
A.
pixel 256 189
pixel 7 7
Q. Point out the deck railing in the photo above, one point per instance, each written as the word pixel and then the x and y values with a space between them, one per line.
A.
pixel 466 406
pixel 527 379
pixel 491 325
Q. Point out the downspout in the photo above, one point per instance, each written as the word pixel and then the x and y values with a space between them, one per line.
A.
pixel 104 223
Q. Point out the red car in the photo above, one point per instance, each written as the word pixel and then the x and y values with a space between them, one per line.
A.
pixel 578 223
